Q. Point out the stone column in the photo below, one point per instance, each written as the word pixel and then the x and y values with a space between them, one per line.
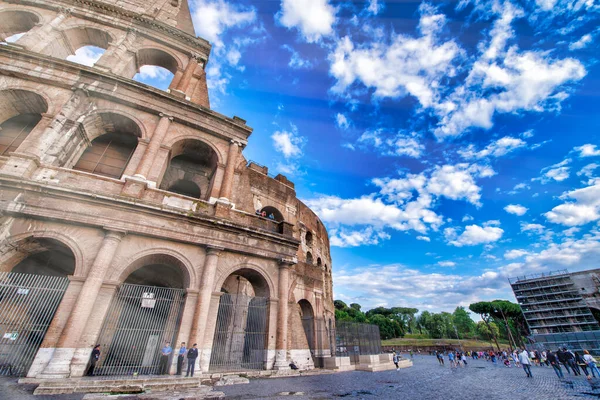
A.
pixel 203 305
pixel 36 40
pixel 152 150
pixel 118 57
pixel 226 185
pixel 282 315
pixel 188 73
pixel 59 365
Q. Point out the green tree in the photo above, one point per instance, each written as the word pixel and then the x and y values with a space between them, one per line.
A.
pixel 487 331
pixel 485 310
pixel 463 322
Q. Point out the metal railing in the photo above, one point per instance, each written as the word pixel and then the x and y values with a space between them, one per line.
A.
pixel 240 338
pixel 138 323
pixel 28 303
pixel 355 339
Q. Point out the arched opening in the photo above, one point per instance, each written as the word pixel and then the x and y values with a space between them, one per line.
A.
pixel 14 24
pixel 308 238
pixel 192 163
pixel 319 262
pixel 240 338
pixel 186 188
pixel 144 315
pixel 307 316
pixel 89 44
pixel 272 213
pixel 309 257
pixel 116 138
pixel 20 112
pixel 29 297
pixel 155 68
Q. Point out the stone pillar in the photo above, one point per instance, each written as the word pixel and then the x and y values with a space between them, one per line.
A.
pixel 226 185
pixel 203 304
pixel 119 58
pixel 59 365
pixel 282 315
pixel 188 73
pixel 185 327
pixel 37 39
pixel 152 150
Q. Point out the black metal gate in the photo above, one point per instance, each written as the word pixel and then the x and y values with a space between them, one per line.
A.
pixel 240 334
pixel 138 323
pixel 27 305
pixel 355 339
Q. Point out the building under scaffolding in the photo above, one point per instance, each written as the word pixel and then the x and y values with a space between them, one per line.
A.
pixel 556 306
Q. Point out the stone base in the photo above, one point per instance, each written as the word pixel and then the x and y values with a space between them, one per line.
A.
pixel 302 359
pixel 281 361
pixel 227 380
pixel 379 362
pixel 41 360
pixel 134 187
pixel 60 364
pixel 338 364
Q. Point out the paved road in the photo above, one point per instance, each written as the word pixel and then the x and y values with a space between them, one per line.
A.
pixel 425 380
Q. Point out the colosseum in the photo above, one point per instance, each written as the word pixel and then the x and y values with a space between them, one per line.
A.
pixel 129 216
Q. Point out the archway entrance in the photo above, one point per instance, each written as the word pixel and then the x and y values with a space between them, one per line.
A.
pixel 29 297
pixel 308 323
pixel 240 339
pixel 145 314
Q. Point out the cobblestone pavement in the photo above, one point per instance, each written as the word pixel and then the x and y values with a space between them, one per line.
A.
pixel 425 380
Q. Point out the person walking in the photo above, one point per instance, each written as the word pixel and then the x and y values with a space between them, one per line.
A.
pixel 553 360
pixel 163 367
pixel 570 361
pixel 562 357
pixel 440 357
pixel 581 363
pixel 591 363
pixel 451 359
pixel 180 358
pixel 93 360
pixel 192 354
pixel 525 362
pixel 395 358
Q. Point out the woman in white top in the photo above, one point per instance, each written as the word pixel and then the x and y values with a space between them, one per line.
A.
pixel 591 363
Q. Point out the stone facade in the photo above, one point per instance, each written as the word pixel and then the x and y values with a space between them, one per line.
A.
pixel 119 177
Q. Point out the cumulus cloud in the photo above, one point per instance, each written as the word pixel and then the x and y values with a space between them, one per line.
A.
pixel 581 43
pixel 587 150
pixel 288 143
pixel 537 228
pixel 588 170
pixel 296 60
pixel 457 182
pixel 424 238
pixel 375 6
pixel 516 209
pixel 446 263
pixel 512 254
pixel 406 66
pixel 213 17
pixel 582 207
pixel 354 238
pixel 497 148
pixel 557 172
pixel 314 19
pixel 473 235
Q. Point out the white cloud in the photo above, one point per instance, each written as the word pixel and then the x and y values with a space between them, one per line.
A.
pixel 213 17
pixel 288 143
pixel 512 254
pixel 516 209
pixel 588 170
pixel 296 60
pixel 446 263
pixel 367 236
pixel 581 43
pixel 473 235
pixel 497 148
pixel 505 79
pixel 404 66
pixel 537 228
pixel 583 208
pixel 375 6
pixel 399 144
pixel 155 72
pixel 467 218
pixel 87 55
pixel 341 121
pixel 313 18
pixel 587 150
pixel 557 172
pixel 458 181
pixel 14 38
pixel 424 238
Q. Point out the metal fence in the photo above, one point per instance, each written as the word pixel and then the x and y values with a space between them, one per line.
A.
pixel 27 305
pixel 355 339
pixel 241 333
pixel 138 323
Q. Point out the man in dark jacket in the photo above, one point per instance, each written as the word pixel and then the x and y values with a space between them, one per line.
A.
pixel 553 360
pixel 562 357
pixel 570 361
pixel 191 359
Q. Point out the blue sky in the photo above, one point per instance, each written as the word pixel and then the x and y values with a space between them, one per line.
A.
pixel 447 146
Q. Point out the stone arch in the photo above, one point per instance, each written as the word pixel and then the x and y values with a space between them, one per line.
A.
pixel 15 249
pixel 308 238
pixel 15 101
pixel 34 88
pixel 319 262
pixel 14 21
pixel 83 35
pixel 270 210
pixel 180 138
pixel 141 127
pixel 157 255
pixel 254 272
pixel 113 140
pixel 159 57
pixel 309 257
pixel 194 161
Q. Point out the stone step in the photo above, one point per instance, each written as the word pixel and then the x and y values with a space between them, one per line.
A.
pixel 123 381
pixel 202 393
pixel 47 388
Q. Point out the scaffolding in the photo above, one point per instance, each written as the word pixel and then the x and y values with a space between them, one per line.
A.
pixel 555 311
